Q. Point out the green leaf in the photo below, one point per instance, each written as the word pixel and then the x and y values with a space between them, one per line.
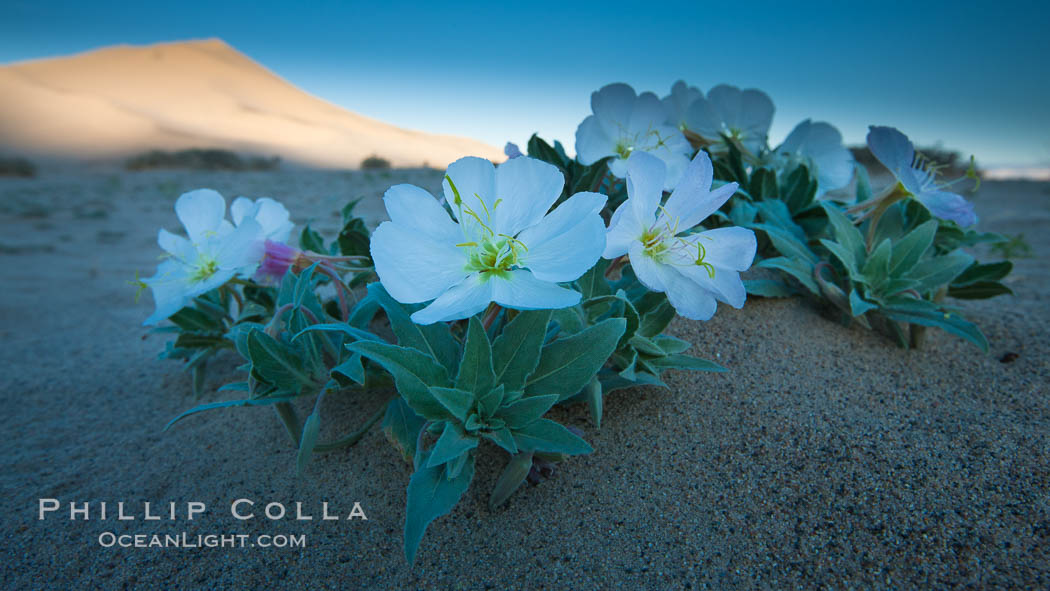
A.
pixel 983 273
pixel 541 150
pixel 434 339
pixel 566 365
pixel 311 240
pixel 526 410
pixel 858 305
pixel 671 345
pixel 768 288
pixel 517 350
pixel 776 213
pixel 401 425
pixel 593 283
pixel 458 402
pixel 545 435
pixel 356 333
pixel 846 234
pixel 353 239
pixel 928 314
pixel 909 250
pixel 644 345
pixel 432 494
pixel 787 244
pixel 568 319
pixel 503 438
pixel 353 370
pixel 595 401
pixel 193 320
pixel 510 479
pixel 979 291
pixel 801 270
pixel 843 254
pixel 475 368
pixel 275 363
pixel 453 443
pixel 939 271
pixel 686 362
pixel 414 374
pixel 877 267
pixel 311 429
pixel 656 313
pixel 226 404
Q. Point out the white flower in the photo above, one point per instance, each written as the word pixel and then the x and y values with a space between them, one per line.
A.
pixel 693 269
pixel 624 123
pixel 502 247
pixel 818 146
pixel 213 253
pixel 271 216
pixel 743 115
pixel 677 104
pixel 914 174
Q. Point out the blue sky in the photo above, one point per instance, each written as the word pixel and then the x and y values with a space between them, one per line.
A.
pixel 971 75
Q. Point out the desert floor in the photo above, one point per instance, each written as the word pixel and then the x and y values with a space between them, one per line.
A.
pixel 826 457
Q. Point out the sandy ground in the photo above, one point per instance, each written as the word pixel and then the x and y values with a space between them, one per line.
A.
pixel 826 458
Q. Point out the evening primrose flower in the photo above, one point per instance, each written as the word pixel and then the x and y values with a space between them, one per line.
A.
pixel 743 115
pixel 213 253
pixel 916 177
pixel 696 269
pixel 270 215
pixel 818 146
pixel 623 123
pixel 502 246
pixel 677 104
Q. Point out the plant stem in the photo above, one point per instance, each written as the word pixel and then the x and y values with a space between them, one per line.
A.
pixel 490 315
pixel 341 289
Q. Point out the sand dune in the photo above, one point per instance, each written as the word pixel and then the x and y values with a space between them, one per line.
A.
pixel 121 100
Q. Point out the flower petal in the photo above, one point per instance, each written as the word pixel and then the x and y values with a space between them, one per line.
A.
pixel 592 143
pixel 618 167
pixel 677 103
pixel 168 285
pixel 463 300
pixel 201 213
pixel 949 206
pixel 724 284
pixel 702 119
pixel 647 115
pixel 727 103
pixel 415 267
pixel 412 207
pixel 645 184
pixel 624 228
pixel 177 246
pixel 241 207
pixel 692 201
pixel 473 177
pixel 526 189
pixel 731 247
pixel 274 219
pixel 523 291
pixel 645 268
pixel 241 250
pixel 567 241
pixel 892 148
pixel 689 299
pixel 612 106
pixel 756 112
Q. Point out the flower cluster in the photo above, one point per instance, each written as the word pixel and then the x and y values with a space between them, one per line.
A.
pixel 550 280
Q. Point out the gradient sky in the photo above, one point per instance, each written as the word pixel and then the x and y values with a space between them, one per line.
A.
pixel 971 75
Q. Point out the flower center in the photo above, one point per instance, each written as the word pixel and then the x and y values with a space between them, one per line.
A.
pixel 623 149
pixel 494 256
pixel 206 267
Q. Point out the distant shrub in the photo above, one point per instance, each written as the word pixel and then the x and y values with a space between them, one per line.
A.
pixel 200 159
pixel 375 162
pixel 16 166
